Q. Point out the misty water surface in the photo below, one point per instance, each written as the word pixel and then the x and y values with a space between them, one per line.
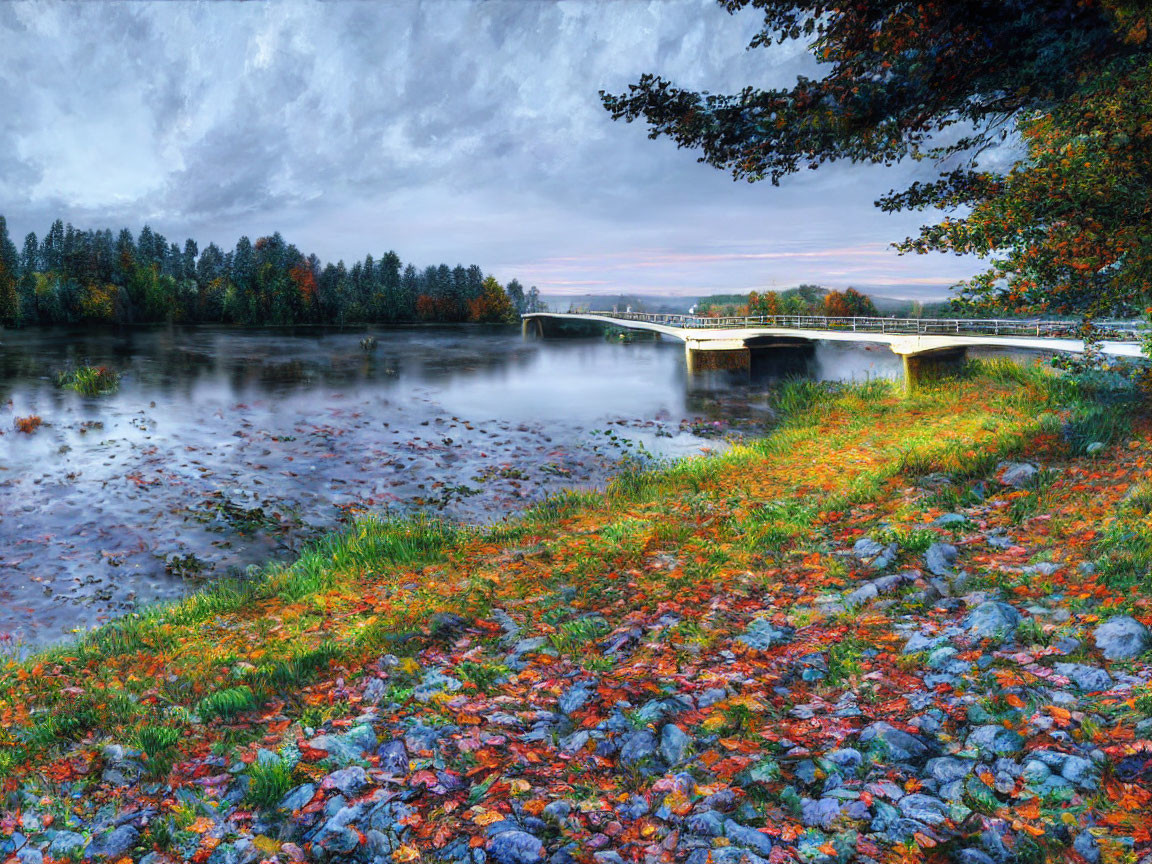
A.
pixel 226 448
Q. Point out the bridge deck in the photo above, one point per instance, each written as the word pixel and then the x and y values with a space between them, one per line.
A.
pixel 905 336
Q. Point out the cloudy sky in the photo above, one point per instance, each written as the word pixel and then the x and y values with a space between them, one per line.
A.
pixel 459 131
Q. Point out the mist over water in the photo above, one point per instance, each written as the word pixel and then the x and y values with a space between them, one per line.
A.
pixel 226 448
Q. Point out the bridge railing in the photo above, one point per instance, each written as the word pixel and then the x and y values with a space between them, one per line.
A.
pixel 1112 330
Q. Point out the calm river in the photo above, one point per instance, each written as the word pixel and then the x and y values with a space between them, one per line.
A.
pixel 226 448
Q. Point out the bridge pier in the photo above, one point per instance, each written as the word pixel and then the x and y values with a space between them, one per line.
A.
pixel 929 365
pixel 530 327
pixel 717 355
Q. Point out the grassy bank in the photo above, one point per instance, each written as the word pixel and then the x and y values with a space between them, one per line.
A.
pixel 759 530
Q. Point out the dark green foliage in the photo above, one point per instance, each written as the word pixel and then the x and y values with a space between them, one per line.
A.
pixel 89 276
pixel 269 783
pixel 226 704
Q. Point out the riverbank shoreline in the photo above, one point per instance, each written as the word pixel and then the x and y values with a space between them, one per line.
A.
pixel 873 635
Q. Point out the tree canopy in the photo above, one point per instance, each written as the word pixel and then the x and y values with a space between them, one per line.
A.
pixel 1065 228
pixel 77 277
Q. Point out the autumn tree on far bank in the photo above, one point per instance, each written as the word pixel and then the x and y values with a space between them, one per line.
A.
pixel 849 304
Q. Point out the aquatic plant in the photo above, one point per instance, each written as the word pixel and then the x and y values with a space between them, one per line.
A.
pixel 89 380
pixel 28 424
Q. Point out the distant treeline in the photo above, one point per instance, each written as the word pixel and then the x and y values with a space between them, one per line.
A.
pixel 802 300
pixel 72 277
pixel 816 300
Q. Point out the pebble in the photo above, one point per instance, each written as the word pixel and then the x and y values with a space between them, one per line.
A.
pixel 1122 638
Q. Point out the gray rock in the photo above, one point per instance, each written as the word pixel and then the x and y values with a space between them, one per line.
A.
pixel 804 771
pixel 557 811
pixel 637 747
pixel 1090 679
pixel 995 740
pixel 749 838
pixel 862 595
pixel 822 813
pixel 940 558
pixel 866 548
pixel 1081 772
pixel 375 691
pixel 29 855
pixel 675 744
pixel 351 746
pixel 709 823
pixel 973 856
pixel 433 682
pixel 66 844
pixel 298 797
pixel 347 781
pixel 901 746
pixel 992 620
pixel 528 646
pixel 447 624
pixel 656 711
pixel 575 742
pixel 711 696
pixel 421 739
pixel 1087 847
pixel 941 657
pixel 393 757
pixel 920 642
pixel 949 519
pixel 1122 638
pixel 337 836
pixel 946 769
pixel 576 697
pixel 925 809
pixel 846 758
pixel 1035 772
pixel 888 584
pixel 114 845
pixel 385 816
pixel 761 635
pixel 1020 475
pixel 515 847
pixel 725 855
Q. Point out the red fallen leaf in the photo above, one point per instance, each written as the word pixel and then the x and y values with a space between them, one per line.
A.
pixel 311 754
pixel 423 778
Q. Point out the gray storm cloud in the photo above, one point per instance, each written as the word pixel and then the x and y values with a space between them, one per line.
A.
pixel 458 131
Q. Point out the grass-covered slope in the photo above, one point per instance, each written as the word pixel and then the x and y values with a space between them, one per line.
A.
pixel 861 638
